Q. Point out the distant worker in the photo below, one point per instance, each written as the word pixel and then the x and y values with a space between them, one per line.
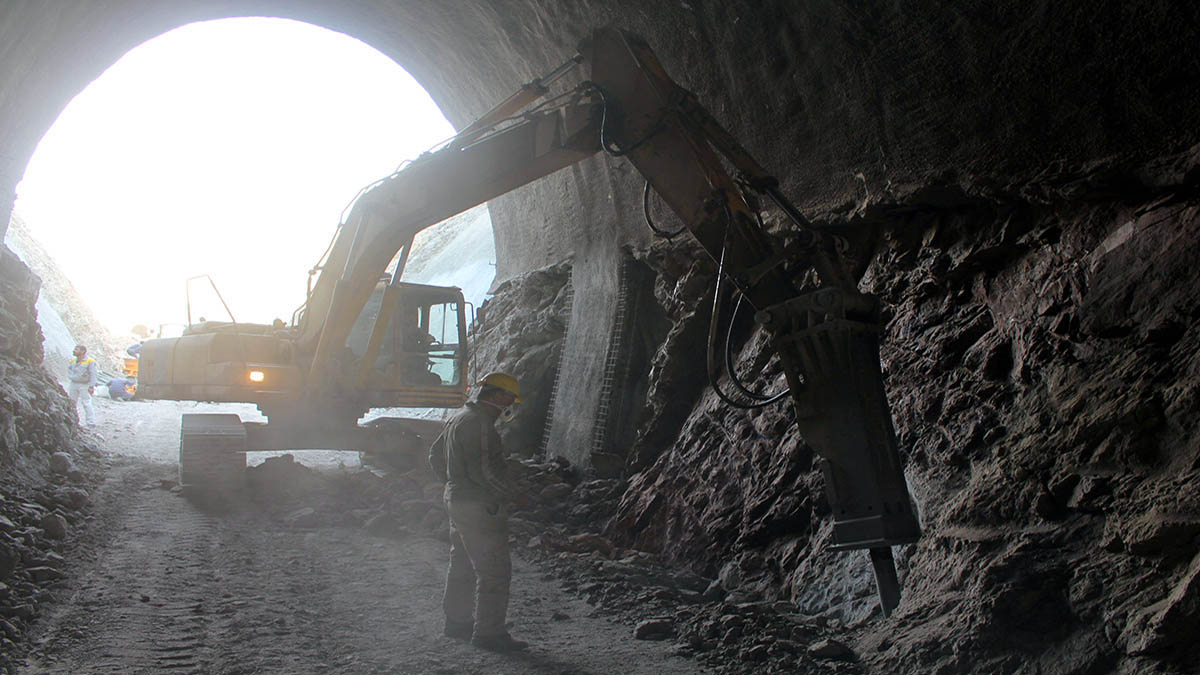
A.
pixel 118 388
pixel 82 376
pixel 133 352
pixel 468 456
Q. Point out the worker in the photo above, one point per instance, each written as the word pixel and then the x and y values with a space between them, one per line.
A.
pixel 468 456
pixel 118 388
pixel 416 342
pixel 81 374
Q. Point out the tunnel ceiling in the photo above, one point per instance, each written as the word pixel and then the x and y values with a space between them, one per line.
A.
pixel 845 102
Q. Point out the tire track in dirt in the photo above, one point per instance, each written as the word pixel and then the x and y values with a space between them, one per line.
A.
pixel 159 585
pixel 142 608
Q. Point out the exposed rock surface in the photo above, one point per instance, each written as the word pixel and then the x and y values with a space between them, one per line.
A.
pixel 38 432
pixel 1039 351
pixel 520 331
pixel 1040 360
pixel 34 411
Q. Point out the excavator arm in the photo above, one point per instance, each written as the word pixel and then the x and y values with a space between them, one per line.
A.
pixel 434 187
pixel 825 334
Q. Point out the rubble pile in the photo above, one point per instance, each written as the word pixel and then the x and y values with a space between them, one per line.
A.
pixel 398 504
pixel 562 530
pixel 44 463
pixel 385 504
pixel 711 619
pixel 36 526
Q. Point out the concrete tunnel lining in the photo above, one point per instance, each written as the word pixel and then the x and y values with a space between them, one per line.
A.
pixel 839 131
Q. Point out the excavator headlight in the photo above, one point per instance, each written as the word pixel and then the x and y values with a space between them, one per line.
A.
pixel 257 376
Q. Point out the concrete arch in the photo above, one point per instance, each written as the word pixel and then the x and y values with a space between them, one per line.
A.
pixel 465 55
pixel 849 104
pixel 842 100
pixel 51 55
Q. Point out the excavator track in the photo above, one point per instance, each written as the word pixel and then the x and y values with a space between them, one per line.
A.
pixel 212 454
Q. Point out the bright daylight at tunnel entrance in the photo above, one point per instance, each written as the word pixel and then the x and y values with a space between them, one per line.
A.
pixel 599 337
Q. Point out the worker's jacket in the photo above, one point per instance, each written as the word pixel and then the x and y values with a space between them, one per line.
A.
pixel 469 450
pixel 82 372
pixel 118 387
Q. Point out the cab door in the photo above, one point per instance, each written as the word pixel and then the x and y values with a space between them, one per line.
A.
pixel 412 347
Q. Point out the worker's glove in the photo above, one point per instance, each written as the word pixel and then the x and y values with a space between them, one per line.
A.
pixel 90 390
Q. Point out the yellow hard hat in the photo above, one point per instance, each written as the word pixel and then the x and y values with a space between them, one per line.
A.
pixel 502 381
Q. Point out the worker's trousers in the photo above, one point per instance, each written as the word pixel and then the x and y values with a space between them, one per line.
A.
pixel 79 394
pixel 480 568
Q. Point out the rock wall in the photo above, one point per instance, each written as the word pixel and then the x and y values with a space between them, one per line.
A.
pixel 520 330
pixel 1040 359
pixel 36 418
pixel 39 444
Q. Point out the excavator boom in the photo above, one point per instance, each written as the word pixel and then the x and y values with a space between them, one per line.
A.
pixel 434 187
pixel 826 337
pixel 825 332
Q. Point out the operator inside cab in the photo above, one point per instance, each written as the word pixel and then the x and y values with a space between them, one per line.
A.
pixel 415 342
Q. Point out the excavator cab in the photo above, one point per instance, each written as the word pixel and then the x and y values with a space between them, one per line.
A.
pixel 408 346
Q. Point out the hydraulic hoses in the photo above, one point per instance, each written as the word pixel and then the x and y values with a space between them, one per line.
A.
pixel 729 370
pixel 659 232
pixel 711 355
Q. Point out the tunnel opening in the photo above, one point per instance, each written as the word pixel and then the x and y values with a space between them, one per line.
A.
pixel 230 148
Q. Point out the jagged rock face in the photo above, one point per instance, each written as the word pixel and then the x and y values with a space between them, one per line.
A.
pixel 1040 359
pixel 36 419
pixel 520 332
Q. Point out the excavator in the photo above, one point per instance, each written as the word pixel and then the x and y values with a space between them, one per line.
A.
pixel 364 338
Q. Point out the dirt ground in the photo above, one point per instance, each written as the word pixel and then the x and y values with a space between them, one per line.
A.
pixel 158 584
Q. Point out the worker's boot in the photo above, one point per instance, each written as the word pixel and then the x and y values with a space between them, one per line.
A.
pixel 499 643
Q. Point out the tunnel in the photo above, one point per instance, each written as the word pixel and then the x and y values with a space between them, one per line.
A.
pixel 1021 179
